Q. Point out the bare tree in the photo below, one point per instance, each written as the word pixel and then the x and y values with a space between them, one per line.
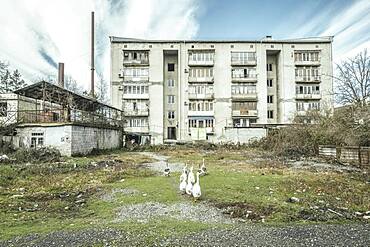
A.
pixel 102 89
pixel 353 80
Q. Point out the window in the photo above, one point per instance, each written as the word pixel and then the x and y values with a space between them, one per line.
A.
pixel 171 99
pixel 171 115
pixel 269 67
pixel 244 73
pixel 136 72
pixel 243 57
pixel 170 82
pixel 270 99
pixel 269 82
pixel 37 139
pixel 3 109
pixel 270 114
pixel 243 89
pixel 171 67
pixel 201 123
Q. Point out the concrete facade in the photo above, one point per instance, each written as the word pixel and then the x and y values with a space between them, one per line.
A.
pixel 68 139
pixel 218 85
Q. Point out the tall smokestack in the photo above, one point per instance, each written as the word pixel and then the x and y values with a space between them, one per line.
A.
pixel 61 75
pixel 92 56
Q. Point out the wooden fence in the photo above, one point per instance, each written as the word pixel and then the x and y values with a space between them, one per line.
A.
pixel 359 155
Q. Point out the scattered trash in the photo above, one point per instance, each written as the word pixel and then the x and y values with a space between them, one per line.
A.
pixel 293 199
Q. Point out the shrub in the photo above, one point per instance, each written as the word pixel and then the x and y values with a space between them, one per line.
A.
pixel 42 155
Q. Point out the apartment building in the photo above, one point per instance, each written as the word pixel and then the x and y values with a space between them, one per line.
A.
pixel 183 90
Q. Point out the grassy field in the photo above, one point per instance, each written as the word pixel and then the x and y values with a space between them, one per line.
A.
pixel 69 194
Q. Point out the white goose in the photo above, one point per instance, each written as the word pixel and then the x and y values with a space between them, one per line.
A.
pixel 184 173
pixel 167 170
pixel 191 176
pixel 196 192
pixel 183 178
pixel 203 169
pixel 189 185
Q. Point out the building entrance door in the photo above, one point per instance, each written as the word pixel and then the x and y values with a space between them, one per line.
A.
pixel 171 133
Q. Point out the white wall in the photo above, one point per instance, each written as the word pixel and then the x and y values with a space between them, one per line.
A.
pixel 240 135
pixel 70 139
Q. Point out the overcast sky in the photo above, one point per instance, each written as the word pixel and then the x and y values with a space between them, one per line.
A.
pixel 37 34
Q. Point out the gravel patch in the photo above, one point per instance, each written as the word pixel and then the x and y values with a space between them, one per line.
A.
pixel 320 166
pixel 257 235
pixel 161 164
pixel 88 237
pixel 110 196
pixel 199 212
pixel 242 235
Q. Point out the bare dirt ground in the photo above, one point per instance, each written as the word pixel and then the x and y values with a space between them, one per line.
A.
pixel 231 222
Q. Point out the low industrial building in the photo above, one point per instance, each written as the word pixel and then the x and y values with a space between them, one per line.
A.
pixel 44 114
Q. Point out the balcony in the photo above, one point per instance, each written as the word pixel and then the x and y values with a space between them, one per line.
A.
pixel 136 96
pixel 139 129
pixel 201 79
pixel 245 113
pixel 308 79
pixel 250 78
pixel 243 62
pixel 201 96
pixel 135 78
pixel 247 96
pixel 201 63
pixel 307 63
pixel 201 113
pixel 133 62
pixel 308 96
pixel 209 130
pixel 137 112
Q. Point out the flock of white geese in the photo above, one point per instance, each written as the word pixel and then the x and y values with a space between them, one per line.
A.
pixel 189 184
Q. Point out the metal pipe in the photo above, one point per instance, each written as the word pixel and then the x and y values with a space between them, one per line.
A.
pixel 92 56
pixel 61 75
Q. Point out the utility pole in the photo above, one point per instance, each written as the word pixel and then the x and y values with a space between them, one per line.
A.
pixel 92 93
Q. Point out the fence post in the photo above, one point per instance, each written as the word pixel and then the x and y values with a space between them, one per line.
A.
pixel 359 156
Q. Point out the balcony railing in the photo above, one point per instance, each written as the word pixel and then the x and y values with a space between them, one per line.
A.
pixel 201 63
pixel 246 96
pixel 201 79
pixel 251 61
pixel 134 62
pixel 209 130
pixel 135 96
pixel 308 96
pixel 243 78
pixel 137 112
pixel 308 78
pixel 68 116
pixel 201 113
pixel 310 62
pixel 246 113
pixel 135 78
pixel 137 129
pixel 201 95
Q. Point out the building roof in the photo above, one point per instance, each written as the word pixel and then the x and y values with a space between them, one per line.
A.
pixel 55 94
pixel 324 39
